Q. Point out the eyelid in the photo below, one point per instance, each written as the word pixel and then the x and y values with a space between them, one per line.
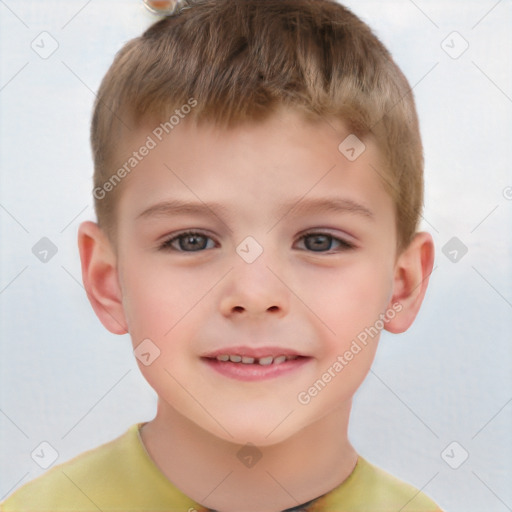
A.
pixel 189 231
pixel 343 237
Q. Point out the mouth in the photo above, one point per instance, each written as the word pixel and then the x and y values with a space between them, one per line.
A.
pixel 250 364
pixel 263 361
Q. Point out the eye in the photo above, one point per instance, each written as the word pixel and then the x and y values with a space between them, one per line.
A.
pixel 323 242
pixel 188 242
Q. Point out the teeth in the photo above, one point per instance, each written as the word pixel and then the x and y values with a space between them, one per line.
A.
pixel 263 361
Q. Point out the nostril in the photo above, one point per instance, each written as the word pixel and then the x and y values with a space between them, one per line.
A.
pixel 241 309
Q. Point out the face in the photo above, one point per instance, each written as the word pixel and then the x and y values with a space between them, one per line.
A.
pixel 252 259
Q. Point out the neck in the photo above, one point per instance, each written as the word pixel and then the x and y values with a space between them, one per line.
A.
pixel 216 474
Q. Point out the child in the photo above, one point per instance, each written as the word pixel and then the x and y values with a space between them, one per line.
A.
pixel 258 183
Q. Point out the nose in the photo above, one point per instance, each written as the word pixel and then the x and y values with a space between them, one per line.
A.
pixel 253 290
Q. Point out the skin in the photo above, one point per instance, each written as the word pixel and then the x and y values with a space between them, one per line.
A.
pixel 314 302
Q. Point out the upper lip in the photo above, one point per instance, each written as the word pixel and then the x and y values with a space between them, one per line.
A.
pixel 253 352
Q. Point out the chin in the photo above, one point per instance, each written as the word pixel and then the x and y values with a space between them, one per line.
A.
pixel 256 429
pixel 255 436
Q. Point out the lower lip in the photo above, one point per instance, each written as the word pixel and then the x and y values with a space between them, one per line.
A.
pixel 255 372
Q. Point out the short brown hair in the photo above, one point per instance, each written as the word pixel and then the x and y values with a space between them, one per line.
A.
pixel 240 60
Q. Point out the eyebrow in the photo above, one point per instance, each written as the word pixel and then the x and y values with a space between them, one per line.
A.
pixel 298 205
pixel 329 204
pixel 175 206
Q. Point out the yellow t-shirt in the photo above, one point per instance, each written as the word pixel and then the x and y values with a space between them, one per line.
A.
pixel 120 476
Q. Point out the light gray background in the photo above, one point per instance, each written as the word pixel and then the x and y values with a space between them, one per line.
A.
pixel 67 381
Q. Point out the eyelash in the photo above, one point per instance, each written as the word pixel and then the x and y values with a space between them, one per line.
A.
pixel 344 244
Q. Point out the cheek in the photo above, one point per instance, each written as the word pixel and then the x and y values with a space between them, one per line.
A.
pixel 154 301
pixel 157 304
pixel 352 298
pixel 351 306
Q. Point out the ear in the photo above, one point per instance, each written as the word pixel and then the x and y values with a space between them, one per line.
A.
pixel 99 275
pixel 412 272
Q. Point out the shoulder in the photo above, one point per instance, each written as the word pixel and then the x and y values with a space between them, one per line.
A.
pixel 370 489
pixel 74 485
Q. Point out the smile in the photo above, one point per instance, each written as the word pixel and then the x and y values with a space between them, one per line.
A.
pixel 239 365
pixel 263 361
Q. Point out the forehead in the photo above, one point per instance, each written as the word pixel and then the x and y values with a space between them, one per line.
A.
pixel 285 159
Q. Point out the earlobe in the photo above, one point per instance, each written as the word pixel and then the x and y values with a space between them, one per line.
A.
pixel 99 275
pixel 412 272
